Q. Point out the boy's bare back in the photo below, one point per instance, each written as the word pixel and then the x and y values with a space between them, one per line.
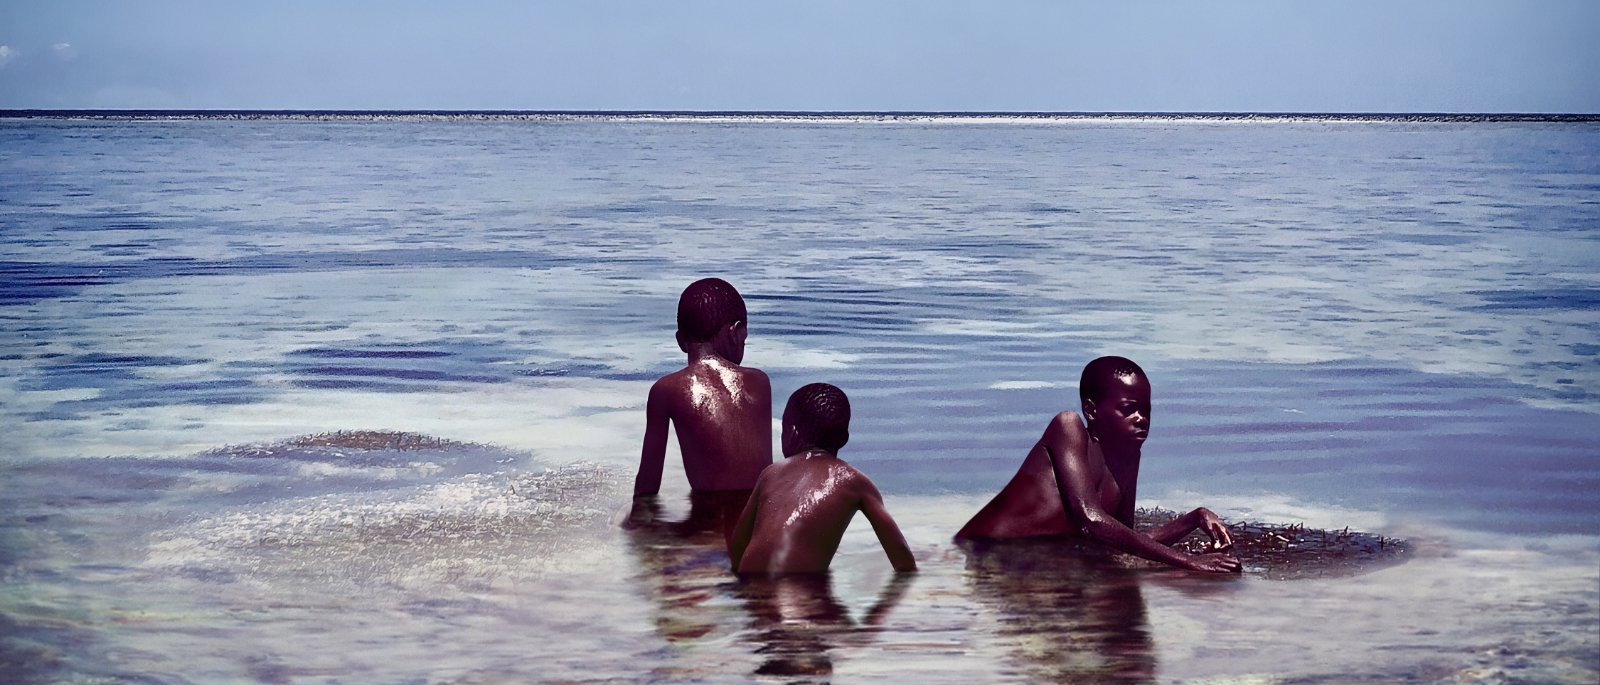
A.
pixel 722 411
pixel 802 505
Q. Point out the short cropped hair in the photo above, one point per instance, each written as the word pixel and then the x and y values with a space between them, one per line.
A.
pixel 821 412
pixel 1097 375
pixel 706 306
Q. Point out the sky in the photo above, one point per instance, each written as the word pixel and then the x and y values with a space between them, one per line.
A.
pixel 854 55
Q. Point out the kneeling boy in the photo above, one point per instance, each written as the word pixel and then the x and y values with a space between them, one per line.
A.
pixel 1081 481
pixel 802 505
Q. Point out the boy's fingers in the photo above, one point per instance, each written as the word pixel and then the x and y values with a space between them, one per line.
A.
pixel 1219 563
pixel 1219 534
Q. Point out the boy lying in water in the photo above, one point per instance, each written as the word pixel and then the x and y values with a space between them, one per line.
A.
pixel 1094 471
pixel 802 505
pixel 722 411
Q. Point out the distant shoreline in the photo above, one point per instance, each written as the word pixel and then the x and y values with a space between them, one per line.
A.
pixel 779 116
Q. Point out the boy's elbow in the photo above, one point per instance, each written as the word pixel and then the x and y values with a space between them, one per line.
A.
pixel 1100 527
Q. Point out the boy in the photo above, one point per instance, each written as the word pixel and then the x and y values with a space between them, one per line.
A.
pixel 722 411
pixel 1081 481
pixel 802 505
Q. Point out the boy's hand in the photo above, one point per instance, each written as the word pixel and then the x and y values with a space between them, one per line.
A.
pixel 1215 563
pixel 1215 528
pixel 646 509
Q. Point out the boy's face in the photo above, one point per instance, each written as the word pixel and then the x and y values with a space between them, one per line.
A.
pixel 1121 417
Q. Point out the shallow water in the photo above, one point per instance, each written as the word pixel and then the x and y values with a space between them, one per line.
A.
pixel 458 566
pixel 1377 325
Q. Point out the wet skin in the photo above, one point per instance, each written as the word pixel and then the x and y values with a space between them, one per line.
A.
pixel 1081 481
pixel 800 509
pixel 722 413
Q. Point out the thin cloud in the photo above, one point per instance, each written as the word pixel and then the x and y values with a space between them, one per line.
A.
pixel 63 51
pixel 6 55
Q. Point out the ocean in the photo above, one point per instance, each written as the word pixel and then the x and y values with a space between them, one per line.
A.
pixel 1385 325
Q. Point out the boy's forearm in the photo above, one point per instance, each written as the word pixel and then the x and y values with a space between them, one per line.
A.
pixel 902 560
pixel 898 551
pixel 652 460
pixel 1176 529
pixel 1124 539
pixel 743 530
pixel 647 483
pixel 889 535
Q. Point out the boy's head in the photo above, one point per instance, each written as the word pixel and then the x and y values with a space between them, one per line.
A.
pixel 708 308
pixel 1116 401
pixel 818 415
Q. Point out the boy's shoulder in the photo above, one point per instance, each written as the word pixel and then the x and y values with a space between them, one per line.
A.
pixel 682 376
pixel 682 392
pixel 746 372
pixel 844 475
pixel 676 378
pixel 672 384
pixel 681 381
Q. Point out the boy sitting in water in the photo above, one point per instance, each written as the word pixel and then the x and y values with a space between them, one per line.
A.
pixel 1081 481
pixel 802 505
pixel 722 411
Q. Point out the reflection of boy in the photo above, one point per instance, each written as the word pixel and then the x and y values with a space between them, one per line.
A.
pixel 802 505
pixel 1095 471
pixel 722 411
pixel 796 621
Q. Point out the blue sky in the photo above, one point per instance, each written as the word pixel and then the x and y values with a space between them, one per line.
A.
pixel 1356 56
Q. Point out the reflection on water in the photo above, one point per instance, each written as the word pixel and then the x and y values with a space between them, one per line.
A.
pixel 795 621
pixel 791 622
pixel 456 579
pixel 684 564
pixel 1066 616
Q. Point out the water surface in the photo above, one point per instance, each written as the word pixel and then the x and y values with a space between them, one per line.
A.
pixel 1388 326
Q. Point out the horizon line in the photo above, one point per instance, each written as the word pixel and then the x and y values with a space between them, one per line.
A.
pixel 1443 117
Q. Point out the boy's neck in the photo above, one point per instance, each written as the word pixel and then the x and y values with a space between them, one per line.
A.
pixel 1123 464
pixel 809 452
pixel 701 352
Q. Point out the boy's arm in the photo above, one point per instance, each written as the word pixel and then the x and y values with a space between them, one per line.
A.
pixel 651 460
pixel 1202 518
pixel 894 544
pixel 746 527
pixel 1067 443
pixel 654 455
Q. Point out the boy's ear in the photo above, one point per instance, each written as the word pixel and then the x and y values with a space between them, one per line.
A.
pixel 729 341
pixel 683 342
pixel 1088 415
pixel 734 332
